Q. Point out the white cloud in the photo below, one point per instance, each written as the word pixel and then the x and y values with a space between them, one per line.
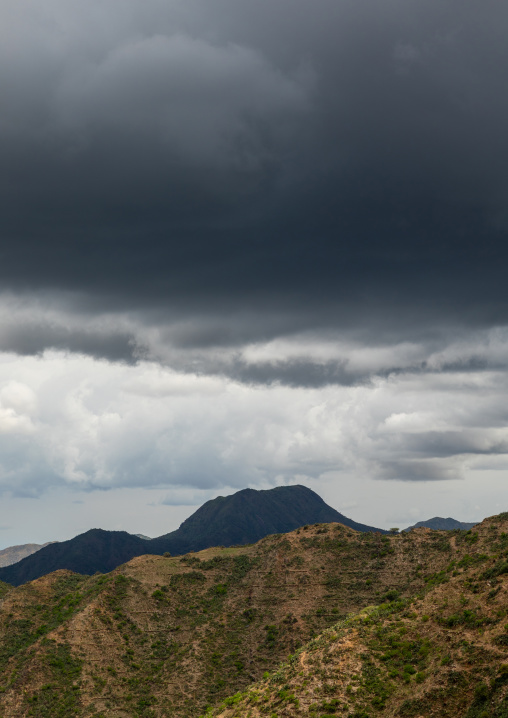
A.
pixel 95 424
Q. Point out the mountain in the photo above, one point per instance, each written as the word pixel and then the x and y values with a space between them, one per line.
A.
pixel 440 524
pixel 13 554
pixel 249 515
pixel 244 517
pixel 89 553
pixel 321 621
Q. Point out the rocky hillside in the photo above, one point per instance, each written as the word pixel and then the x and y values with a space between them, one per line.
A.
pixel 442 653
pixel 165 636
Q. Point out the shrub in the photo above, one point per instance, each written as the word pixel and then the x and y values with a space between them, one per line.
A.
pixel 481 693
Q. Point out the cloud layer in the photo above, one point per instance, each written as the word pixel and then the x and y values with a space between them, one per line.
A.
pixel 249 244
pixel 349 156
pixel 77 421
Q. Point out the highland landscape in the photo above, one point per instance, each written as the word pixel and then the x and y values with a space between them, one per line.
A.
pixel 253 359
pixel 244 517
pixel 322 620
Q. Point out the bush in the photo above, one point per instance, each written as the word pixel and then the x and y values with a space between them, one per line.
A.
pixel 481 693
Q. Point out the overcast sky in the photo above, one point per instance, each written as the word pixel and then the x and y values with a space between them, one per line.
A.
pixel 251 243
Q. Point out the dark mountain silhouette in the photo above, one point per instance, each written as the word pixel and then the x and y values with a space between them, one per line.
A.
pixel 244 517
pixel 440 524
pixel 248 516
pixel 89 553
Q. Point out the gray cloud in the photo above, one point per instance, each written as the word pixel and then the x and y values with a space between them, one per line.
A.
pixel 35 339
pixel 287 227
pixel 455 443
pixel 420 471
pixel 247 347
pixel 346 166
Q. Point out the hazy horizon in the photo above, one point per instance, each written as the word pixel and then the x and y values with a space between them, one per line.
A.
pixel 168 518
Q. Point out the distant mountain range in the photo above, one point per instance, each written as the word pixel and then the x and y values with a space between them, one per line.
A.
pixel 13 554
pixel 440 524
pixel 245 517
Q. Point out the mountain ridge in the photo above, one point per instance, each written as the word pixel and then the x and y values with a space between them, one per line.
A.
pixel 277 510
pixel 440 524
pixel 321 621
pixel 13 554
pixel 244 517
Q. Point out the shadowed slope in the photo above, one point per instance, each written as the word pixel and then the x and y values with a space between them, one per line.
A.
pixel 13 554
pixel 91 552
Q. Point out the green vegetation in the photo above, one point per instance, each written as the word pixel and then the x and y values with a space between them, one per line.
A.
pixel 319 623
pixel 59 698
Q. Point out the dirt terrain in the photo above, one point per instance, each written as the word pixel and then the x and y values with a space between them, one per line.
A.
pixel 175 636
pixel 442 653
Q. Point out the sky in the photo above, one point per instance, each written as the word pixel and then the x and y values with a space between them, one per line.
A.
pixel 251 243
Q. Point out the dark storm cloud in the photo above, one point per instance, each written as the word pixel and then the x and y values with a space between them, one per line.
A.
pixel 343 162
pixel 418 471
pixel 450 443
pixel 33 339
pixel 281 224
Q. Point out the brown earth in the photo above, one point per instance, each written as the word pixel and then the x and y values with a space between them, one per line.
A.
pixel 441 654
pixel 166 636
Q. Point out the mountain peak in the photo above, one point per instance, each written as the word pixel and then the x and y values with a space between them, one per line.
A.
pixel 242 518
pixel 440 524
pixel 250 514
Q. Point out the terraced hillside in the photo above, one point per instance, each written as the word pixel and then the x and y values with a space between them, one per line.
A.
pixel 171 636
pixel 442 653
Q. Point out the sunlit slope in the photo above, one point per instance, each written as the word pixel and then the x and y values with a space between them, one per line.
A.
pixel 166 636
pixel 442 653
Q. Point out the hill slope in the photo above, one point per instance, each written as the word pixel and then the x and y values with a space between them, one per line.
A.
pixel 244 517
pixel 166 637
pixel 4 589
pixel 440 654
